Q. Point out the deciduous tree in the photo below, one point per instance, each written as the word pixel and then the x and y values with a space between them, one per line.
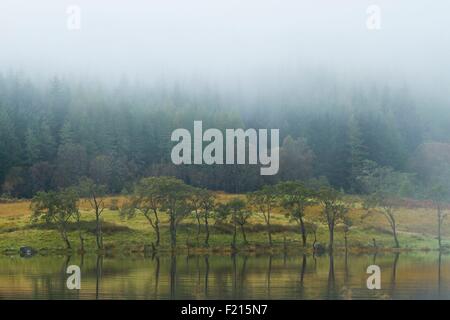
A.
pixel 264 200
pixel 58 208
pixel 295 198
pixel 333 210
pixel 95 194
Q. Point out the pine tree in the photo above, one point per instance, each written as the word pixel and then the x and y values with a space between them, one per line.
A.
pixel 67 135
pixel 9 146
pixel 32 147
pixel 357 153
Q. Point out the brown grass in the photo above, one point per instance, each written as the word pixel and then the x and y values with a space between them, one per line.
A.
pixel 421 221
pixel 21 208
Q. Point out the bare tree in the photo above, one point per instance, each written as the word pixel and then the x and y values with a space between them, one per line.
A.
pixel 264 200
pixel 174 199
pixel 94 193
pixel 146 200
pixel 385 187
pixel 207 205
pixel 333 210
pixel 295 198
pixel 439 194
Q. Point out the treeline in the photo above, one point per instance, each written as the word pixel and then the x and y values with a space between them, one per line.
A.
pixel 53 134
pixel 155 196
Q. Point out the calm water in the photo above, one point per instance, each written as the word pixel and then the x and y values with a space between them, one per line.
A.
pixel 404 276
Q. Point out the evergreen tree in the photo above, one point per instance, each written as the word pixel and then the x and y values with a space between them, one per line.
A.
pixel 357 154
pixel 9 146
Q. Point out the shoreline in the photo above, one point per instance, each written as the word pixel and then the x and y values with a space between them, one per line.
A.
pixel 222 251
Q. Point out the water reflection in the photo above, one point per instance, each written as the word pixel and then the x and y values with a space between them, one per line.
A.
pixel 439 274
pixel 98 275
pixel 206 274
pixel 335 276
pixel 394 274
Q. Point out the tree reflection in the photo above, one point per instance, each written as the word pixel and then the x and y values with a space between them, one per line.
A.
pixel 439 274
pixel 98 275
pixel 233 258
pixel 173 273
pixel 302 276
pixel 331 285
pixel 233 277
pixel 243 274
pixel 206 274
pixel 269 275
pixel 394 274
pixel 157 268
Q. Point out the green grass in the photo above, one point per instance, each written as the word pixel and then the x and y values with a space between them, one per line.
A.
pixel 125 236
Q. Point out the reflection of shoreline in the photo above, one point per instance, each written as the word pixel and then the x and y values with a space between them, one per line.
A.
pixel 230 277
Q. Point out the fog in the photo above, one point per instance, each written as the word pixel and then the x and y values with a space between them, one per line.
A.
pixel 246 44
pixel 344 82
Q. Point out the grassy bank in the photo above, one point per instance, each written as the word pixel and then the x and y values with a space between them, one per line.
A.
pixel 417 230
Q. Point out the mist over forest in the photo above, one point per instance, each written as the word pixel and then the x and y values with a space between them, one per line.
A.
pixel 56 133
pixel 102 101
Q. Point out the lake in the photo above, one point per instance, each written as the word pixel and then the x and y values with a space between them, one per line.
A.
pixel 423 275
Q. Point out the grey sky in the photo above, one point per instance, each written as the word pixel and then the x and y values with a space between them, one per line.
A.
pixel 225 40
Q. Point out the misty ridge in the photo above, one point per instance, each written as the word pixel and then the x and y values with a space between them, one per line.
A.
pixel 102 101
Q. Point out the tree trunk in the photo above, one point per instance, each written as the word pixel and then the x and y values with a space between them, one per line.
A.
pixel 98 231
pixel 81 243
pixel 439 227
pixel 101 234
pixel 269 229
pixel 98 227
pixel 397 244
pixel 68 246
pixel 155 226
pixel 235 231
pixel 315 239
pixel 207 230
pixel 65 239
pixel 345 241
pixel 302 229
pixel 158 236
pixel 198 226
pixel 391 219
pixel 394 231
pixel 173 232
pixel 331 244
pixel 243 234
